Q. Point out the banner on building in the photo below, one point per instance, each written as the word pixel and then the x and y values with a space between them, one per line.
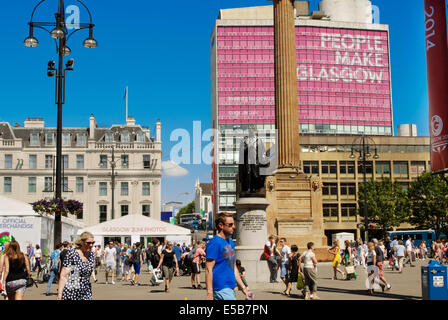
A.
pixel 437 69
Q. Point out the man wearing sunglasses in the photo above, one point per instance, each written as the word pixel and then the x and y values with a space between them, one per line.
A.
pixel 220 272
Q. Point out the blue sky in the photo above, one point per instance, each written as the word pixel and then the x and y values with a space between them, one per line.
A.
pixel 161 50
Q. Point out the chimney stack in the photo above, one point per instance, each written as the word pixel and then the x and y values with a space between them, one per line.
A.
pixel 92 126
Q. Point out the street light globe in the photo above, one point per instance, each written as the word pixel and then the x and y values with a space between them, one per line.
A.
pixel 90 43
pixel 31 42
pixel 66 51
pixel 57 33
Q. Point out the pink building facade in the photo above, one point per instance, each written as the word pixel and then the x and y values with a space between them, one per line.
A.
pixel 343 79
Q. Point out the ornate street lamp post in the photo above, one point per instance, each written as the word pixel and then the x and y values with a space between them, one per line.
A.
pixel 362 145
pixel 61 34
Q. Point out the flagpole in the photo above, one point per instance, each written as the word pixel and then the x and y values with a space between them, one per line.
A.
pixel 126 103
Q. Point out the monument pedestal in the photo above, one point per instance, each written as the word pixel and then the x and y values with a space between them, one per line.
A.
pixel 251 235
pixel 295 210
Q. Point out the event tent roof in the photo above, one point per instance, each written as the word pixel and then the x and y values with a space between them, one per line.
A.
pixel 135 224
pixel 12 207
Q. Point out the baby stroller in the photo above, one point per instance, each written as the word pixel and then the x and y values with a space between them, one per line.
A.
pixel 156 277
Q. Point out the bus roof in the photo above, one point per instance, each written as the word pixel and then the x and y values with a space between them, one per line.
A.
pixel 409 231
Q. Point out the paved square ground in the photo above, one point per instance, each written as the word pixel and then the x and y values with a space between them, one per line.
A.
pixel 405 286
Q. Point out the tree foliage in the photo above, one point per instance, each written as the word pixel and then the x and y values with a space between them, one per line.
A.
pixel 387 203
pixel 428 197
pixel 189 208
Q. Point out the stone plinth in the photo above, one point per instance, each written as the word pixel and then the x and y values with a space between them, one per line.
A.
pixel 295 210
pixel 251 235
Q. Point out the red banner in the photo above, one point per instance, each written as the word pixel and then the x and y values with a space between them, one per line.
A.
pixel 437 68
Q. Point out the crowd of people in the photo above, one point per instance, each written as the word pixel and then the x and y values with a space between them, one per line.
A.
pixel 72 265
pixel 373 257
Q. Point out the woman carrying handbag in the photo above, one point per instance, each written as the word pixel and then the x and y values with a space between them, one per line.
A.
pixel 17 271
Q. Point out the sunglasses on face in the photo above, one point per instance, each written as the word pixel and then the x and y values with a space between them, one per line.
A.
pixel 229 224
pixel 90 243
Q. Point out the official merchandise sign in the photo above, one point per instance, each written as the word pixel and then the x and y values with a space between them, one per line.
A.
pixel 437 69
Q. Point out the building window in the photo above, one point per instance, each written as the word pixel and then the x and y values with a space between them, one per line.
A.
pixel 330 190
pixel 48 184
pixel 146 161
pixel 228 171
pixel 32 184
pixel 382 168
pixel 81 139
pixel 65 184
pixel 347 167
pixel 65 161
pixel 109 137
pixel 79 161
pixel 401 169
pixel 348 212
pixel 33 161
pixel 124 210
pixel 103 189
pixel 103 161
pixel 311 167
pixel 330 211
pixel 8 161
pixel 348 190
pixel 227 201
pixel 49 139
pixel 48 161
pixel 79 184
pixel 227 185
pixel 34 139
pixel 125 137
pixel 140 137
pixel 329 167
pixel 103 213
pixel 125 188
pixel 146 188
pixel 417 167
pixel 66 139
pixel 369 167
pixel 146 210
pixel 7 184
pixel 124 161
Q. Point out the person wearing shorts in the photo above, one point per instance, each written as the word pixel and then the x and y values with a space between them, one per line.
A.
pixel 17 269
pixel 110 261
pixel 137 259
pixel 199 255
pixel 168 260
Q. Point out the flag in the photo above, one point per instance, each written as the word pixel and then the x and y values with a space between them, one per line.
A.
pixel 125 93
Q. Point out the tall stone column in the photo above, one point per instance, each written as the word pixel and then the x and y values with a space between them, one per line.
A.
pixel 295 199
pixel 286 101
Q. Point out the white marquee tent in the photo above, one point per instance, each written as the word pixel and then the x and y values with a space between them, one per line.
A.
pixel 136 226
pixel 27 227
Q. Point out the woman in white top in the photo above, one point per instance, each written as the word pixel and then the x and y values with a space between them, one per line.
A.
pixel 38 257
pixel 309 261
pixel 372 271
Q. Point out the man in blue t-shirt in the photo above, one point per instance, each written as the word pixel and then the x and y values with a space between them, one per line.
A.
pixel 220 273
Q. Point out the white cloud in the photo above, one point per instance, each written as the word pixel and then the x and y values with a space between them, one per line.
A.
pixel 172 169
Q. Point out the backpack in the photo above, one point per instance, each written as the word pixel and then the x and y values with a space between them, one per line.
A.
pixel 153 255
pixel 136 255
pixel 190 255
